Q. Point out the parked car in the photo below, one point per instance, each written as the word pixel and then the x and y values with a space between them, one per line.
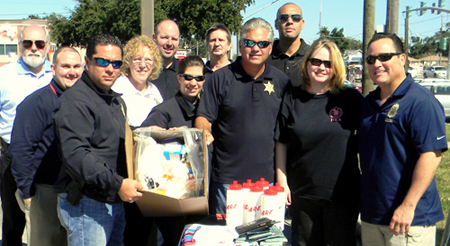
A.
pixel 435 72
pixel 441 91
pixel 352 85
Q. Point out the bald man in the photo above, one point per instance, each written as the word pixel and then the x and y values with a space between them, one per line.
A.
pixel 167 38
pixel 17 80
pixel 288 51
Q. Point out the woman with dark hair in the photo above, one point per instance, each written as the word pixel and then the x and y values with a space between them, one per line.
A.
pixel 180 110
pixel 316 151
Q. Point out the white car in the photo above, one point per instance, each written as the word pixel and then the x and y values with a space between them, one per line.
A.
pixel 441 91
pixel 435 72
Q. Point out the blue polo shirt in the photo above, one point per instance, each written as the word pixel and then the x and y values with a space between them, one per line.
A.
pixel 243 113
pixel 391 138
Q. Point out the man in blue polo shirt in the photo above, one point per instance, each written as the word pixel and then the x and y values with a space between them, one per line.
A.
pixel 402 135
pixel 18 80
pixel 36 163
pixel 238 111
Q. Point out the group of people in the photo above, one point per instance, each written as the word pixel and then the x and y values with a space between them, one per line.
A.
pixel 280 111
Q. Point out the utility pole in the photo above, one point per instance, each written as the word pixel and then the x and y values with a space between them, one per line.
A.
pixel 407 37
pixel 392 16
pixel 147 17
pixel 368 31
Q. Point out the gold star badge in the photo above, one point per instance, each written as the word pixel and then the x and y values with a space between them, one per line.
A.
pixel 269 87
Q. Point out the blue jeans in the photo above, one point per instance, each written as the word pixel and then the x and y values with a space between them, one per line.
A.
pixel 92 223
pixel 217 198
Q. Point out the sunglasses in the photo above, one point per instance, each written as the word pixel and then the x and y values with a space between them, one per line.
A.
pixel 102 62
pixel 285 17
pixel 261 44
pixel 318 62
pixel 190 77
pixel 381 57
pixel 40 44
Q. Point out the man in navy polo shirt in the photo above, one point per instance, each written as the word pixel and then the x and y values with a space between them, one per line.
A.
pixel 238 110
pixel 402 135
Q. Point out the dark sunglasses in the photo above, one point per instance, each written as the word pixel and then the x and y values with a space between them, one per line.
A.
pixel 102 62
pixel 285 17
pixel 261 44
pixel 40 44
pixel 318 62
pixel 190 77
pixel 381 57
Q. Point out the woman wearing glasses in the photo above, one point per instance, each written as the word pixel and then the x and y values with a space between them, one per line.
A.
pixel 180 110
pixel 141 63
pixel 316 152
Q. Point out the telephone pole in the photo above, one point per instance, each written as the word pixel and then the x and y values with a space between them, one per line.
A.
pixel 147 17
pixel 392 16
pixel 368 31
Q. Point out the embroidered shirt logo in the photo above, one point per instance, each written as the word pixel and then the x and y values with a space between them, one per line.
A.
pixel 269 87
pixel 336 114
pixel 439 138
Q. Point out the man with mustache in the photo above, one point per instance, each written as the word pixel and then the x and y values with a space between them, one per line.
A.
pixel 18 80
pixel 167 38
pixel 289 50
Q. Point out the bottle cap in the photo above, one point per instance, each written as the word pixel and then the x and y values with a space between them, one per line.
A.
pixel 235 186
pixel 278 187
pixel 263 182
pixel 270 192
pixel 256 188
pixel 248 184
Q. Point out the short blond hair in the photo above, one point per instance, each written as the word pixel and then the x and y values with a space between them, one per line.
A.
pixel 134 47
pixel 337 64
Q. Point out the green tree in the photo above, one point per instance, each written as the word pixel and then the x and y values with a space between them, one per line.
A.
pixel 342 42
pixel 421 47
pixel 122 18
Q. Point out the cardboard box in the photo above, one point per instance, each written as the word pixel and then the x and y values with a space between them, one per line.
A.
pixel 155 205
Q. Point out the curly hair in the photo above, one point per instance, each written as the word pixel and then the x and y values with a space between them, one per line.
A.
pixel 337 64
pixel 134 47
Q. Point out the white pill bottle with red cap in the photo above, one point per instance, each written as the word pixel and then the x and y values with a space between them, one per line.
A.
pixel 235 205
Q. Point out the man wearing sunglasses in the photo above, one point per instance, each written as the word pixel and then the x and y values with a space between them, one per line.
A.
pixel 238 111
pixel 90 128
pixel 17 80
pixel 401 137
pixel 289 49
pixel 36 169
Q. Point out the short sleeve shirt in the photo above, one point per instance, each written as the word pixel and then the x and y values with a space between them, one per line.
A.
pixel 391 138
pixel 243 114
pixel 17 81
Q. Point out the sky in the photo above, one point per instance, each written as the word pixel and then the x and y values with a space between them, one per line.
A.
pixel 347 14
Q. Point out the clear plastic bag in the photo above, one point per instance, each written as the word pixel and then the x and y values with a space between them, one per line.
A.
pixel 170 162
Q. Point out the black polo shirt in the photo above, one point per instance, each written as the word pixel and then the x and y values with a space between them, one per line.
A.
pixel 167 82
pixel 174 112
pixel 243 113
pixel 290 65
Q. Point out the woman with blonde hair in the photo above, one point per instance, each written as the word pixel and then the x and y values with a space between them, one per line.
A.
pixel 141 63
pixel 316 151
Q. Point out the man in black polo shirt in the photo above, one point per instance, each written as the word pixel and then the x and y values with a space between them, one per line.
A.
pixel 289 50
pixel 167 38
pixel 238 109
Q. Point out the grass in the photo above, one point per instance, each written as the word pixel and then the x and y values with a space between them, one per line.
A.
pixel 443 185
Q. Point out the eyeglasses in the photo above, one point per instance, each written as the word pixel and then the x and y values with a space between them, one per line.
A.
pixel 261 44
pixel 318 62
pixel 145 61
pixel 381 57
pixel 102 62
pixel 40 44
pixel 190 77
pixel 285 17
